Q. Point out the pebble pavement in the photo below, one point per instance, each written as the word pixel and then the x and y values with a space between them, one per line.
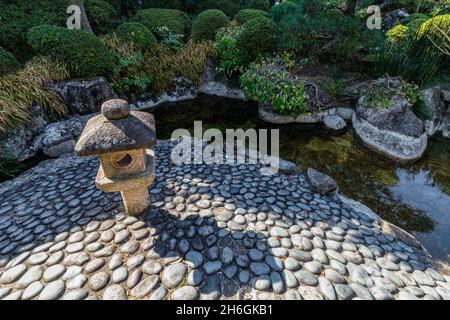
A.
pixel 213 232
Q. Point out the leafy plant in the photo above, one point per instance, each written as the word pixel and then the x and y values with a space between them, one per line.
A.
pixel 231 59
pixel 334 87
pixel 170 39
pixel 269 82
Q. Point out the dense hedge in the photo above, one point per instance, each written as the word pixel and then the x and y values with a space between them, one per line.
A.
pixel 83 53
pixel 256 4
pixel 101 14
pixel 136 33
pixel 245 15
pixel 207 23
pixel 8 62
pixel 18 16
pixel 165 4
pixel 175 20
pixel 257 38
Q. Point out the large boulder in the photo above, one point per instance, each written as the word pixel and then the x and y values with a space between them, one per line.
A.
pixel 437 102
pixel 84 96
pixel 18 141
pixel 59 138
pixel 392 129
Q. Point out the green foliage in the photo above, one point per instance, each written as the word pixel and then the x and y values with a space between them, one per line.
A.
pixel 257 38
pixel 101 14
pixel 334 87
pixel 18 16
pixel 245 15
pixel 229 7
pixel 165 4
pixel 207 23
pixel 231 60
pixel 413 17
pixel 83 53
pixel 277 13
pixel 397 33
pixel 271 83
pixel 8 62
pixel 256 4
pixel 9 165
pixel 419 57
pixel 136 33
pixel 169 39
pixel 320 31
pixel 176 21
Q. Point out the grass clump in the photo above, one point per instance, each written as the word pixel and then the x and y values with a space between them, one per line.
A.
pixel 29 86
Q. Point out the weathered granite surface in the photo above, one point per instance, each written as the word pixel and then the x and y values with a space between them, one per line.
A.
pixel 212 232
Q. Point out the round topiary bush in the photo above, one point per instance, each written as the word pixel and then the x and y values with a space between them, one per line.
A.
pixel 136 33
pixel 83 53
pixel 256 4
pixel 245 15
pixel 207 23
pixel 176 21
pixel 101 14
pixel 229 7
pixel 8 62
pixel 257 38
pixel 165 4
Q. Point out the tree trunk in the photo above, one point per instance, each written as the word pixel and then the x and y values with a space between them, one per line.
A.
pixel 85 25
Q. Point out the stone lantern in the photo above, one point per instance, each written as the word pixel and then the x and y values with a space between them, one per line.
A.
pixel 124 141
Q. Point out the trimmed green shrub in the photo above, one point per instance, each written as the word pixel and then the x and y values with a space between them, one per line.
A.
pixel 176 21
pixel 8 62
pixel 83 53
pixel 136 33
pixel 277 13
pixel 207 23
pixel 229 7
pixel 257 38
pixel 397 33
pixel 101 14
pixel 165 4
pixel 18 16
pixel 256 4
pixel 245 15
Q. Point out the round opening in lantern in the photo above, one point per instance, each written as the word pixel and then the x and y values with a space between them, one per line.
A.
pixel 123 162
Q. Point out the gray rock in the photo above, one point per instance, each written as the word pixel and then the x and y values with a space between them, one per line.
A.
pixel 393 130
pixel 53 291
pixel 212 267
pixel 344 291
pixel 145 287
pixel 115 292
pixel 13 274
pixel 334 122
pixel 84 96
pixel 185 293
pixel 173 275
pixel 327 289
pixel 194 259
pixel 306 277
pixel 32 290
pixel 321 183
pixel 259 268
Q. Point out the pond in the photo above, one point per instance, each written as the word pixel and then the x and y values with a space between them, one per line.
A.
pixel 415 197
